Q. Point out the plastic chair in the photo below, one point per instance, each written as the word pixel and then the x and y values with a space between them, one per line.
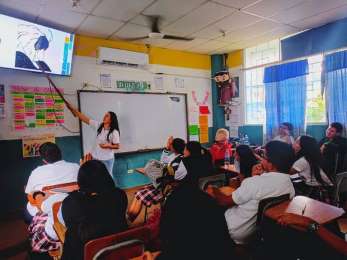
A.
pixel 118 246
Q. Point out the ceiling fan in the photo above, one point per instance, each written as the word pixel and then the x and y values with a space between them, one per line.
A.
pixel 155 32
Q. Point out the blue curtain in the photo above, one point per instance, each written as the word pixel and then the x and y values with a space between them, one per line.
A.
pixel 285 96
pixel 335 76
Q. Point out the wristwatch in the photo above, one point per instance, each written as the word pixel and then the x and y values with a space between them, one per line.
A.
pixel 313 227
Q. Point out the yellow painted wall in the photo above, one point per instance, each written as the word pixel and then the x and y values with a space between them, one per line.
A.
pixel 87 46
pixel 235 59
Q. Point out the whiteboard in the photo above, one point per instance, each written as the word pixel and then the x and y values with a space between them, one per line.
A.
pixel 146 120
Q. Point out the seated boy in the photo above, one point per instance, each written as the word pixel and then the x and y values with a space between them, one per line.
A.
pixel 54 171
pixel 243 203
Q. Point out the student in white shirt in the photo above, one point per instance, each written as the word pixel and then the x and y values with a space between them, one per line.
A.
pixel 243 203
pixel 285 133
pixel 308 166
pixel 107 136
pixel 55 171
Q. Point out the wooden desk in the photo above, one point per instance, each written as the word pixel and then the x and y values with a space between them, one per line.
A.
pixel 316 210
pixel 230 168
pixel 140 170
pixel 61 188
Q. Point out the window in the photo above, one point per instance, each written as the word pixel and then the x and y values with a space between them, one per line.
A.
pixel 254 87
pixel 263 54
pixel 315 102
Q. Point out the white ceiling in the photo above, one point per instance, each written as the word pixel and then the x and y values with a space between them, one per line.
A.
pixel 217 25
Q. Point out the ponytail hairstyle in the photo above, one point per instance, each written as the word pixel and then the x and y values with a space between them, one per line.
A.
pixel 113 126
pixel 311 152
pixel 247 159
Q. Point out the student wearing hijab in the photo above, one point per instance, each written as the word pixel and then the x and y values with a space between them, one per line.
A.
pixel 97 209
pixel 192 225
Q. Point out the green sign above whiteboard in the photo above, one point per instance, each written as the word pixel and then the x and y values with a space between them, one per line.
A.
pixel 139 86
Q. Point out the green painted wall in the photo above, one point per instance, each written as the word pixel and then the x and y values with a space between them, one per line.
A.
pixel 218 111
pixel 255 132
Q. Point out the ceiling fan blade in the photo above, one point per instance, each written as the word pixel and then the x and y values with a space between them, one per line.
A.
pixel 174 37
pixel 134 38
pixel 154 23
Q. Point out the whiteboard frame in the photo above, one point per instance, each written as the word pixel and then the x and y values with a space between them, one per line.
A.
pixel 132 92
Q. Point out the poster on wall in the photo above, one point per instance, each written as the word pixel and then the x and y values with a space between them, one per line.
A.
pixel 36 107
pixel 105 80
pixel 2 101
pixel 237 87
pixel 203 119
pixel 31 144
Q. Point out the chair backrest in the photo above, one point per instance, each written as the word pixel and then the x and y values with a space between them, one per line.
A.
pixel 107 245
pixel 218 180
pixel 340 186
pixel 268 203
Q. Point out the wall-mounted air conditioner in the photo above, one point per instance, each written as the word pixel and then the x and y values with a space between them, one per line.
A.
pixel 122 57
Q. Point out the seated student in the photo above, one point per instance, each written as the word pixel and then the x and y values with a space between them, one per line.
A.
pixel 333 143
pixel 306 224
pixel 192 225
pixel 55 171
pixel 97 209
pixel 172 155
pixel 308 166
pixel 243 203
pixel 220 147
pixel 285 133
pixel 245 160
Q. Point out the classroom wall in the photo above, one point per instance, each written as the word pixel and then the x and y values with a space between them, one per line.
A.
pixel 85 72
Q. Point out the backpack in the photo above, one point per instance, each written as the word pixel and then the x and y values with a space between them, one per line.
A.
pixel 154 169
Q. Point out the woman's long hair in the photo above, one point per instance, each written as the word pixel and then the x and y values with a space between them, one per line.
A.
pixel 93 177
pixel 311 152
pixel 247 159
pixel 113 126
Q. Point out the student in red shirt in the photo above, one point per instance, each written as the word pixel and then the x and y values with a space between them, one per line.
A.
pixel 220 147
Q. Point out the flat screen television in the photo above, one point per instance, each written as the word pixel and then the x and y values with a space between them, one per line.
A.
pixel 29 46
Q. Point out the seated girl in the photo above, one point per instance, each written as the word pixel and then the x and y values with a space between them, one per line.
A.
pixel 285 133
pixel 192 226
pixel 97 209
pixel 172 155
pixel 220 147
pixel 245 160
pixel 308 166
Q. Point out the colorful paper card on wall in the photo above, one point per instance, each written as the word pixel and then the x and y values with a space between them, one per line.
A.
pixel 193 130
pixel 204 110
pixel 2 101
pixel 36 107
pixel 31 144
pixel 203 120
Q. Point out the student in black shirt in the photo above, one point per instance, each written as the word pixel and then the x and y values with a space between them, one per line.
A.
pixel 333 143
pixel 192 225
pixel 97 209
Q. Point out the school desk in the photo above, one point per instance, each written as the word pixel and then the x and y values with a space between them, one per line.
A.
pixel 301 205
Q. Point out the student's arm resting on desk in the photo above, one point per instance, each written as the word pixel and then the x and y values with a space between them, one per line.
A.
pixel 302 223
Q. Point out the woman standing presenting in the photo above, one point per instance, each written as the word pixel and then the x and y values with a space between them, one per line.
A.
pixel 107 136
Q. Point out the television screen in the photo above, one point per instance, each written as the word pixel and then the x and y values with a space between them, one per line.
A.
pixel 29 46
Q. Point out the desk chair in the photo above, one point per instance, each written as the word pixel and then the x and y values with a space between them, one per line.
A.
pixel 340 187
pixel 218 180
pixel 121 246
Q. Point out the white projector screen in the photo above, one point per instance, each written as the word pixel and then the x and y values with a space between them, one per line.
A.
pixel 146 120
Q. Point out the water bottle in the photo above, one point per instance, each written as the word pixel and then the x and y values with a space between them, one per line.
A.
pixel 246 140
pixel 226 158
